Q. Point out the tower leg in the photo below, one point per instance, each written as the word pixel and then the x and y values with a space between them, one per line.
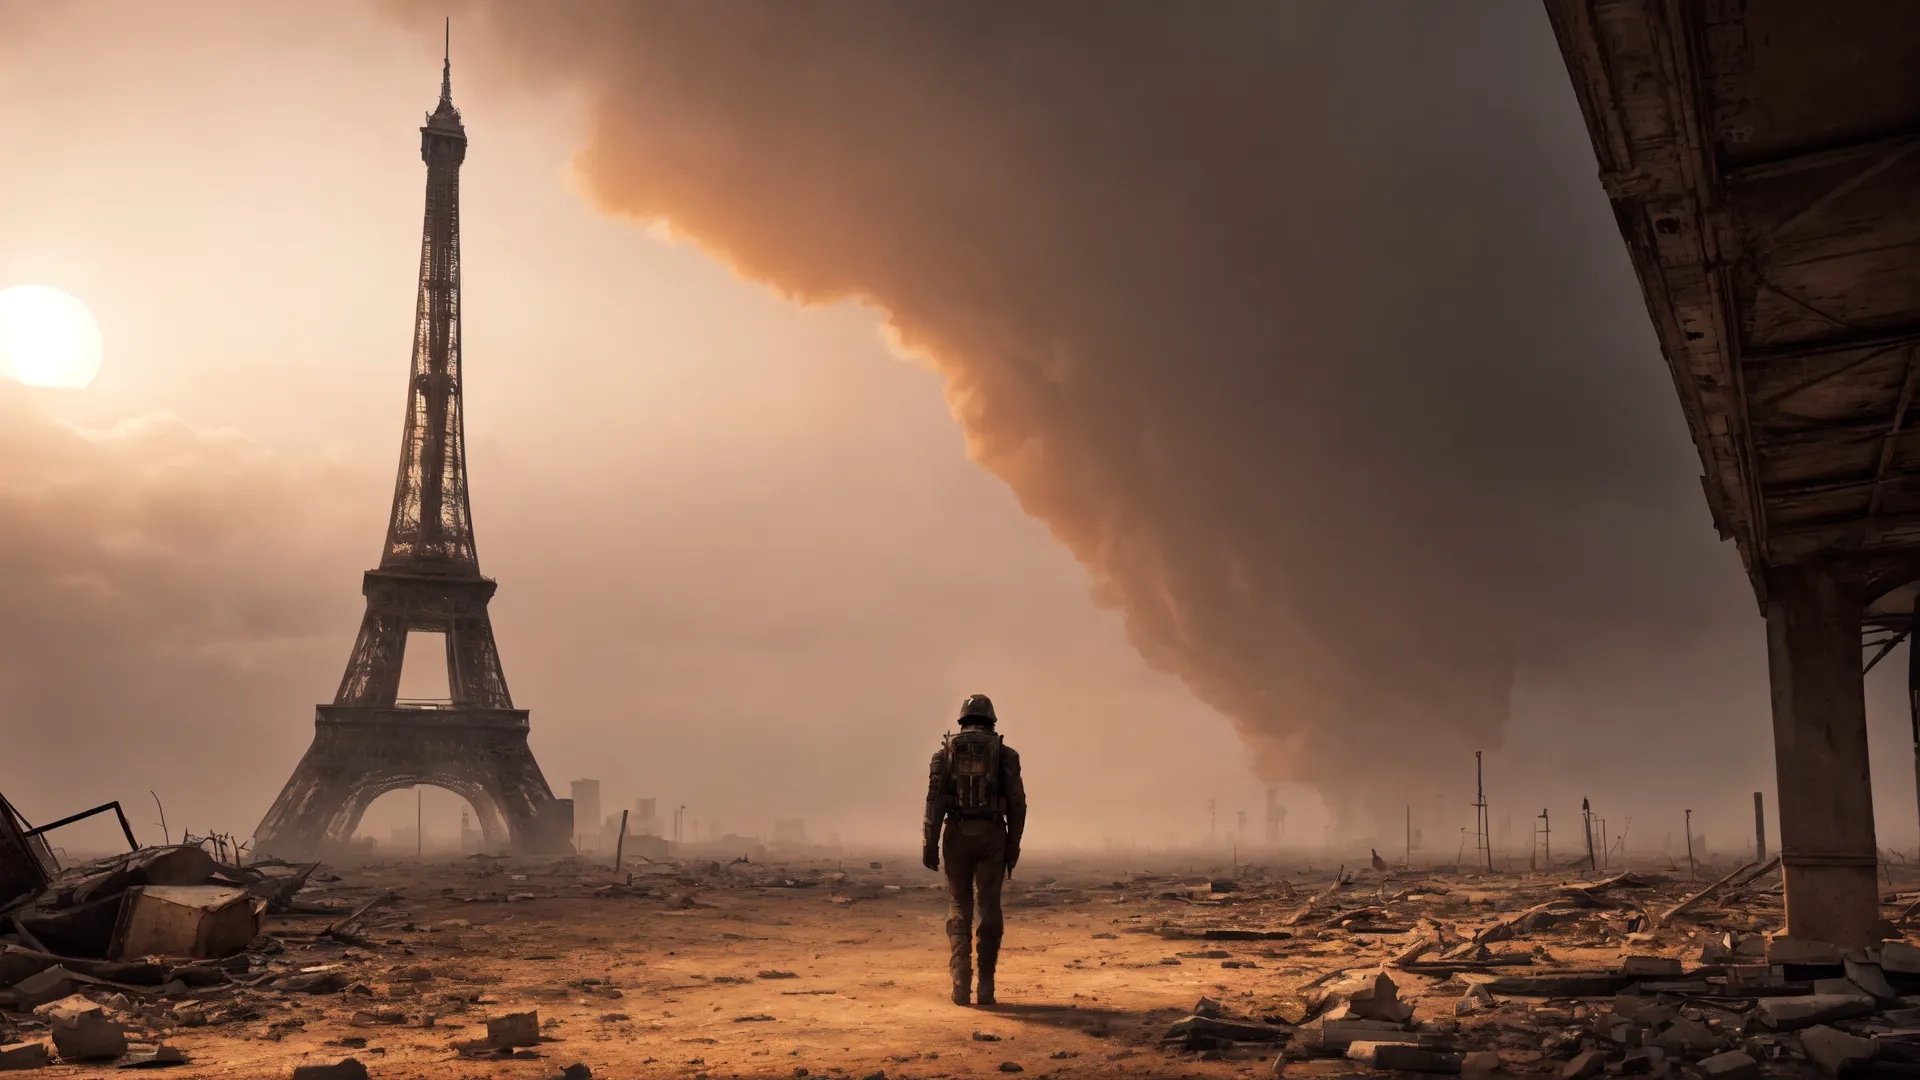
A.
pixel 1828 855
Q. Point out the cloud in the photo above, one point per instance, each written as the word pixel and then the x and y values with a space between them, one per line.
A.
pixel 1304 327
pixel 157 582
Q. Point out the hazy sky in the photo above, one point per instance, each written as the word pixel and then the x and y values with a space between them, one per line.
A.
pixel 1293 346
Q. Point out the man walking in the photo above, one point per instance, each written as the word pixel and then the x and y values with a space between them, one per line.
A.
pixel 974 789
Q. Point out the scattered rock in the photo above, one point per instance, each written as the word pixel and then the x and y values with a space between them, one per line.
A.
pixel 344 1069
pixel 575 1071
pixel 983 1036
pixel 1011 1066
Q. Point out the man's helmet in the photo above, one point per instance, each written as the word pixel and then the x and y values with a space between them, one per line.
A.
pixel 977 707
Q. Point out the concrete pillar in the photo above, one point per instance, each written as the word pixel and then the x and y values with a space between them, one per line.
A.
pixel 1913 690
pixel 1759 828
pixel 1827 851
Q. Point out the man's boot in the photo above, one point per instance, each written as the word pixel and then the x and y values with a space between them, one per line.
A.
pixel 989 957
pixel 959 965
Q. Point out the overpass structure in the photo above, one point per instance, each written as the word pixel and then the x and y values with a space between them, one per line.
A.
pixel 1763 162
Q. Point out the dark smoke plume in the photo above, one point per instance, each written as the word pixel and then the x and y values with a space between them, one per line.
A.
pixel 1303 326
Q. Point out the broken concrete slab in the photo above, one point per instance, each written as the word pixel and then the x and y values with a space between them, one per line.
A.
pixel 1732 1065
pixel 344 1069
pixel 200 922
pixel 514 1029
pixel 82 1031
pixel 1585 1064
pixel 48 984
pixel 1651 966
pixel 1805 1010
pixel 1900 958
pixel 1479 1062
pixel 1688 1036
pixel 156 1056
pixel 1403 1057
pixel 1570 985
pixel 1872 979
pixel 1195 1028
pixel 1372 997
pixel 1804 953
pixel 1832 1050
pixel 15 1057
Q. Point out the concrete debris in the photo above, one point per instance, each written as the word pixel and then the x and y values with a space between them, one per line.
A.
pixel 1803 953
pixel 1832 1050
pixel 1585 1064
pixel 155 1056
pixel 1899 958
pixel 1650 966
pixel 1806 1010
pixel 1731 1065
pixel 24 1055
pixel 514 1029
pixel 344 1069
pixel 1403 1057
pixel 82 1031
pixel 197 921
pixel 1373 997
pixel 1453 971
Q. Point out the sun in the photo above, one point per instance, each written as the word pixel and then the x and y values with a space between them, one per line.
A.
pixel 47 338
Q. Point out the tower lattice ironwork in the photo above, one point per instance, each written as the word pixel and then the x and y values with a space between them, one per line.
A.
pixel 369 740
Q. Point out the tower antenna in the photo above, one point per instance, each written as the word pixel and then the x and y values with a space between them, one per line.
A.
pixel 446 64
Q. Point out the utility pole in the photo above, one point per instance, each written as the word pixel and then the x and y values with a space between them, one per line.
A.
pixel 1409 836
pixel 1691 871
pixel 419 820
pixel 1759 829
pixel 1482 823
pixel 1586 814
pixel 1546 840
pixel 620 845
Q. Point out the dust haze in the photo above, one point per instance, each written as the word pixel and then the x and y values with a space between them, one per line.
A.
pixel 1304 327
pixel 1295 343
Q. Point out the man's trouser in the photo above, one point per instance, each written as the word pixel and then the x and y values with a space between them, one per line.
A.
pixel 974 852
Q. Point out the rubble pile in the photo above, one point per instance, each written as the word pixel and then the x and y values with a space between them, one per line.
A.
pixel 102 950
pixel 1627 975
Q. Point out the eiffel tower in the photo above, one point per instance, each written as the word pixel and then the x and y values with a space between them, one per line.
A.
pixel 370 741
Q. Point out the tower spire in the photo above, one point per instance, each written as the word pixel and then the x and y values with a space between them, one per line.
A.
pixel 446 66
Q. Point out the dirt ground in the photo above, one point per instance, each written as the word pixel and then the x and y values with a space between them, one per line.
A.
pixel 750 970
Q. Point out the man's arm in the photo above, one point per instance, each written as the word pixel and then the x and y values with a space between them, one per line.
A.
pixel 1015 792
pixel 936 811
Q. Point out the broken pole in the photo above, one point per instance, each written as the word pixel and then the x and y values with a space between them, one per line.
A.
pixel 1691 872
pixel 1546 838
pixel 419 821
pixel 1759 828
pixel 620 845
